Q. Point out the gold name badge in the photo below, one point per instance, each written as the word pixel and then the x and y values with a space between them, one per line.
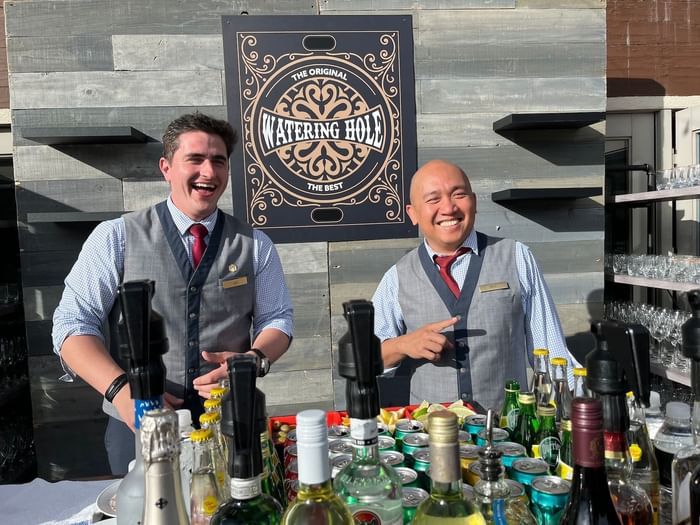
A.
pixel 233 283
pixel 493 286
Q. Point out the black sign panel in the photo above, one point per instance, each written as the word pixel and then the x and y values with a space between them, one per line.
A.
pixel 326 110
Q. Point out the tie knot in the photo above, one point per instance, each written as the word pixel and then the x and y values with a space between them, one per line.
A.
pixel 446 261
pixel 198 231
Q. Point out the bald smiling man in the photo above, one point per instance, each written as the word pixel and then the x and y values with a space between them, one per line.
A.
pixel 440 342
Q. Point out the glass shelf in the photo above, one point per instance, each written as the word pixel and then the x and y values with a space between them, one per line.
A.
pixel 651 283
pixel 671 373
pixel 647 197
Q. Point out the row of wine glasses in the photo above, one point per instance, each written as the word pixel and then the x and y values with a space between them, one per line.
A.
pixel 678 177
pixel 13 360
pixel 16 447
pixel 664 326
pixel 677 268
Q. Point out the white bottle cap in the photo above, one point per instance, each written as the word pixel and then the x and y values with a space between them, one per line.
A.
pixel 184 420
pixel 312 447
pixel 677 410
pixel 654 399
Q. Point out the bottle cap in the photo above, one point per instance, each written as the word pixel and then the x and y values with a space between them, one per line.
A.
pixel 580 371
pixel 212 404
pixel 209 417
pixel 200 435
pixel 546 410
pixel 217 392
pixel 442 427
pixel 311 427
pixel 160 440
pixel 184 419
pixel 527 398
pixel 677 410
pixel 566 424
pixel 654 399
pixel 559 361
pixel 540 351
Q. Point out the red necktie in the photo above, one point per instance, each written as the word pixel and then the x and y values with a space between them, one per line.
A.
pixel 199 232
pixel 445 262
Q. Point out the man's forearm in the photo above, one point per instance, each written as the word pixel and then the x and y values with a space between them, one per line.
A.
pixel 391 352
pixel 272 342
pixel 87 356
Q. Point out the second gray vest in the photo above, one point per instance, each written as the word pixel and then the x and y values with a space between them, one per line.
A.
pixel 489 340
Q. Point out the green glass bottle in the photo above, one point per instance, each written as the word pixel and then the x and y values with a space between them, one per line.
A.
pixel 511 407
pixel 446 504
pixel 547 441
pixel 249 505
pixel 525 431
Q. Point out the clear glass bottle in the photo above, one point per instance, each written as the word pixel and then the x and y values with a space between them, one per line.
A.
pixel 446 504
pixel 205 495
pixel 561 395
pixel 212 422
pixel 645 469
pixel 580 388
pixel 160 439
pixel 547 441
pixel 541 384
pixel 526 428
pixel 184 422
pixel 315 501
pixel 511 407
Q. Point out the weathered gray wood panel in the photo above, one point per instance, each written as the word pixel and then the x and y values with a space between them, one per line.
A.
pixel 297 387
pixel 41 301
pixel 40 269
pixel 377 5
pixel 168 52
pixel 117 88
pixel 63 53
pixel 70 195
pixel 63 18
pixel 48 237
pixel 559 4
pixel 39 338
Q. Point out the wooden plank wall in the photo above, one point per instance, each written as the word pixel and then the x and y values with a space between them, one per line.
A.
pixel 126 62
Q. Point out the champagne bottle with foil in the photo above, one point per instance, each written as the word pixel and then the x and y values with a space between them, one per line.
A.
pixel 204 493
pixel 446 504
pixel 160 441
pixel 541 384
pixel 142 344
pixel 370 488
pixel 511 407
pixel 589 500
pixel 527 425
pixel 315 501
pixel 248 505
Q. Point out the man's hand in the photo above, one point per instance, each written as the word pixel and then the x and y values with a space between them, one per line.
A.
pixel 125 406
pixel 427 342
pixel 204 383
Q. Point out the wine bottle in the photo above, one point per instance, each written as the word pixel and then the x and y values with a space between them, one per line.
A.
pixel 248 504
pixel 142 343
pixel 446 504
pixel 315 501
pixel 589 499
pixel 160 441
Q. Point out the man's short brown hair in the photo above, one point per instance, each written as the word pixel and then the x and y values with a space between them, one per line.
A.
pixel 197 122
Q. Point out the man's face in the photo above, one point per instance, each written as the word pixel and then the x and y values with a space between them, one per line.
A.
pixel 197 173
pixel 442 205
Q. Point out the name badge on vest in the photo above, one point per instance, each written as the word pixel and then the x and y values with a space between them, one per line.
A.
pixel 491 287
pixel 233 283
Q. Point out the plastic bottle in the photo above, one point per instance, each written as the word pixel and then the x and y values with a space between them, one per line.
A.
pixel 653 414
pixel 184 422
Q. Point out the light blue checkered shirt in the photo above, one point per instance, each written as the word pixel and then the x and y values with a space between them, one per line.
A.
pixel 542 326
pixel 91 285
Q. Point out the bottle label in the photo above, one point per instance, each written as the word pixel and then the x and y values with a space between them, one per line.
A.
pixel 363 432
pixel 549 450
pixel 565 471
pixel 512 418
pixel 210 504
pixel 242 489
pixel 615 445
pixel 141 406
pixel 369 517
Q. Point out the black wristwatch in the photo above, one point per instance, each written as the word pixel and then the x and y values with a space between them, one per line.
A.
pixel 263 363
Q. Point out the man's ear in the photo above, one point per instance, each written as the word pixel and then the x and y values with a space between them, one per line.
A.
pixel 164 166
pixel 412 214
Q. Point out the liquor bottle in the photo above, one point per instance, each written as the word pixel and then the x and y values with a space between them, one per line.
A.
pixel 526 428
pixel 205 496
pixel 686 465
pixel 589 499
pixel 142 343
pixel 248 504
pixel 212 422
pixel 511 407
pixel 492 493
pixel 315 501
pixel 160 439
pixel 547 441
pixel 580 388
pixel 369 487
pixel 541 385
pixel 446 504
pixel 565 468
pixel 645 469
pixel 561 395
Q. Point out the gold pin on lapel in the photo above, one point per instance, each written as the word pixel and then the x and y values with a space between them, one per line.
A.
pixel 232 268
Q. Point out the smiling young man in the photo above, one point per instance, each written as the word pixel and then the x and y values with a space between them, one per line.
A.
pixel 460 332
pixel 215 279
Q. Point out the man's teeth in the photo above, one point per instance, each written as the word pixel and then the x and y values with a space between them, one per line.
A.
pixel 201 186
pixel 449 223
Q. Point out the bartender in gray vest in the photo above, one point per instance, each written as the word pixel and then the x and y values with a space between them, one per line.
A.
pixel 461 313
pixel 217 280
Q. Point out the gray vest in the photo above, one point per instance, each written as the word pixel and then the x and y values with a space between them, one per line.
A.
pixel 489 340
pixel 208 309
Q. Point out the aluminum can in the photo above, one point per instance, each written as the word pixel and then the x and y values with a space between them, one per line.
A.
pixel 383 429
pixel 409 477
pixel 468 491
pixel 468 454
pixel 548 495
pixel 412 443
pixel 392 458
pixel 524 470
pixel 405 427
pixel 499 435
pixel 291 488
pixel 290 453
pixel 517 491
pixel 338 432
pixel 411 498
pixel 474 473
pixel 464 437
pixel 510 452
pixel 421 464
pixel 338 463
pixel 385 442
pixel 291 471
pixel 473 424
pixel 292 436
pixel 340 446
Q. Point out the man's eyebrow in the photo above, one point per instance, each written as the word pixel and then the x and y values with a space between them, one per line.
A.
pixel 203 156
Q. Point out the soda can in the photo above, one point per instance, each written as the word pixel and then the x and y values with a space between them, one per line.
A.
pixel 340 446
pixel 338 463
pixel 463 437
pixel 421 464
pixel 412 497
pixel 468 491
pixel 291 488
pixel 405 427
pixel 386 442
pixel 412 443
pixel 290 453
pixel 292 436
pixel 510 452
pixel 499 435
pixel 473 424
pixel 408 476
pixel 524 470
pixel 291 471
pixel 474 473
pixel 383 429
pixel 548 495
pixel 338 432
pixel 392 458
pixel 517 491
pixel 468 454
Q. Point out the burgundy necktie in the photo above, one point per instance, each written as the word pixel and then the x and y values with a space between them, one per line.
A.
pixel 444 262
pixel 199 232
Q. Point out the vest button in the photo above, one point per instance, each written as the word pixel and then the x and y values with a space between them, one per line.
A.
pixel 191 370
pixel 192 344
pixel 463 370
pixel 464 395
pixel 193 315
pixel 193 289
pixel 462 344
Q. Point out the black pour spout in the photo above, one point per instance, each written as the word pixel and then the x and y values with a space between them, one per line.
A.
pixel 143 340
pixel 245 458
pixel 360 360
